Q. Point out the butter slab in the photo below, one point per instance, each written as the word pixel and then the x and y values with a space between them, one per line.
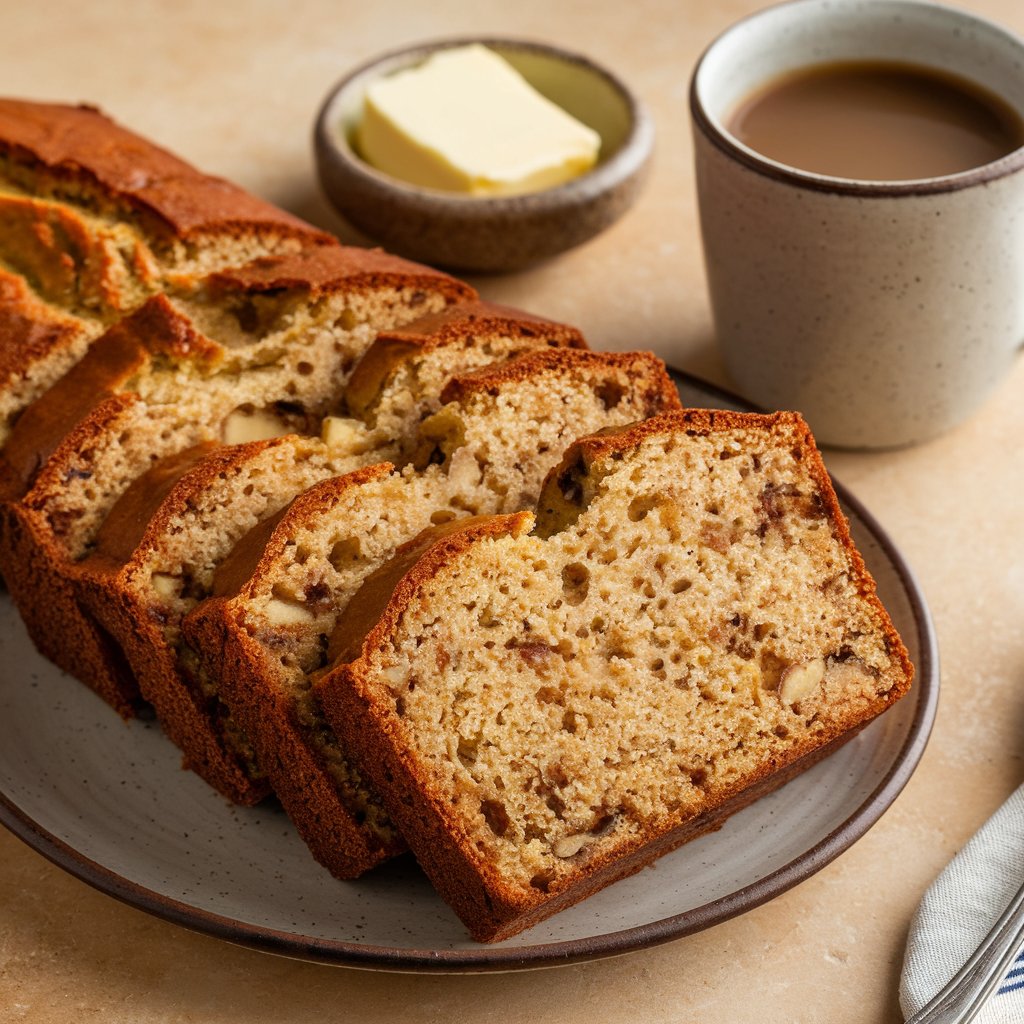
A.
pixel 466 121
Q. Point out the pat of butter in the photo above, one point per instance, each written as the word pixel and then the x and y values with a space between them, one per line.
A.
pixel 466 121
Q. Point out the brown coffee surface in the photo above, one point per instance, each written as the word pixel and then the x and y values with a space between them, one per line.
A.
pixel 877 121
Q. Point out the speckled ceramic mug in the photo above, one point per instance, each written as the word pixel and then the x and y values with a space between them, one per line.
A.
pixel 884 311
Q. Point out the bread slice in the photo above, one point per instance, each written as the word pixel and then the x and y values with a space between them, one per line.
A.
pixel 191 222
pixel 154 557
pixel 399 380
pixel 39 342
pixel 545 706
pixel 241 355
pixel 277 597
pixel 155 554
pixel 116 367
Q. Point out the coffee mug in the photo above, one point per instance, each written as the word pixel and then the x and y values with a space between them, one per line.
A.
pixel 885 311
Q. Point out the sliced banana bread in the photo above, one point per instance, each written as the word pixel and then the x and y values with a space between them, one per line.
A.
pixel 687 626
pixel 239 355
pixel 279 594
pixel 153 558
pixel 155 554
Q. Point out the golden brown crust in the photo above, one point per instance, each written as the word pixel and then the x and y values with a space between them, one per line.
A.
pixel 456 321
pixel 489 379
pixel 451 326
pixel 37 342
pixel 686 421
pixel 328 269
pixel 74 451
pixel 79 146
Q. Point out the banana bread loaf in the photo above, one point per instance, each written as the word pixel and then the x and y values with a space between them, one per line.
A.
pixel 95 219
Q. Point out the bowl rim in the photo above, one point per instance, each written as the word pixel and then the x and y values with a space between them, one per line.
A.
pixel 631 155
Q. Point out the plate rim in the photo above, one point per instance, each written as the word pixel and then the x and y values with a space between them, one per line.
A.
pixel 485 959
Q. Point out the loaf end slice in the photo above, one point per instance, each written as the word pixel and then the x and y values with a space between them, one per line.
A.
pixel 78 153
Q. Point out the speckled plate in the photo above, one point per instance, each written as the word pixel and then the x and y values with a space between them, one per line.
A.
pixel 109 803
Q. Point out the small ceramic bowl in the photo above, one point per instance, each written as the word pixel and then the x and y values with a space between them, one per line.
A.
pixel 490 234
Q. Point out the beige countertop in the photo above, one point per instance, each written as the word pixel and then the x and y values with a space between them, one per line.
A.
pixel 233 87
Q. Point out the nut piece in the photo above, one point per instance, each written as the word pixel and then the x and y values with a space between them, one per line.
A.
pixel 286 613
pixel 852 676
pixel 569 846
pixel 344 433
pixel 800 681
pixel 464 472
pixel 258 425
pixel 395 675
pixel 165 586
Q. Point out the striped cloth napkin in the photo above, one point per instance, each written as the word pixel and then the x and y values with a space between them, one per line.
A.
pixel 958 911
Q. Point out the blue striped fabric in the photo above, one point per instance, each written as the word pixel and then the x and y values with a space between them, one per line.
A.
pixel 1014 979
pixel 958 909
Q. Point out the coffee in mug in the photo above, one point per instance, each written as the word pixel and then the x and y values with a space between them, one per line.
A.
pixel 877 121
pixel 884 303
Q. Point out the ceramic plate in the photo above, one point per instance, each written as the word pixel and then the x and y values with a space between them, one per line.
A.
pixel 108 802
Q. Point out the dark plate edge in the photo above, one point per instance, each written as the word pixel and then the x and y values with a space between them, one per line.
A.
pixel 496 958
